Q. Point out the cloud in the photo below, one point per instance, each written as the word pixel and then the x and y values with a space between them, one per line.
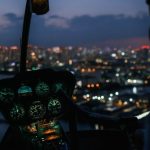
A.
pixel 13 17
pixel 58 22
pixel 4 22
pixel 8 20
pixel 110 26
pixel 82 30
pixel 10 29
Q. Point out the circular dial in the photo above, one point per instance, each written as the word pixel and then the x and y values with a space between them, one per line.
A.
pixel 37 110
pixel 24 90
pixel 6 95
pixel 54 106
pixel 59 86
pixel 17 112
pixel 42 89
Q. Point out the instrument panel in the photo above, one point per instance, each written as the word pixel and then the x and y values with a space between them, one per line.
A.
pixel 33 96
pixel 6 95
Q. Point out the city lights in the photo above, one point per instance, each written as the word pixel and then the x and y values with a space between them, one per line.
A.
pixel 100 76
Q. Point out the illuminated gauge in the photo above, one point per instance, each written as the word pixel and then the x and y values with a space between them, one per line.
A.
pixel 42 89
pixel 24 90
pixel 54 106
pixel 37 110
pixel 17 112
pixel 6 95
pixel 59 86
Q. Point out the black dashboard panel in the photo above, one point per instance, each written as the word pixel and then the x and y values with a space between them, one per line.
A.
pixel 33 96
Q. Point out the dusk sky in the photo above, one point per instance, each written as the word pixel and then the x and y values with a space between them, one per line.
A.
pixel 78 22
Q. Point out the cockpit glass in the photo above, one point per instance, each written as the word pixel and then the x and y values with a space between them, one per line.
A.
pixel 105 44
pixel 11 19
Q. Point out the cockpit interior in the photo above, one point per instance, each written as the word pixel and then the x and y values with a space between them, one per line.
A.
pixel 40 113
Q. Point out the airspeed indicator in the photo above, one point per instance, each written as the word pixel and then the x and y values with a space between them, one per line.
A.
pixel 37 110
pixel 17 112
pixel 42 89
pixel 54 106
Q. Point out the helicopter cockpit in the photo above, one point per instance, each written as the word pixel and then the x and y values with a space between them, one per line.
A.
pixel 39 108
pixel 32 101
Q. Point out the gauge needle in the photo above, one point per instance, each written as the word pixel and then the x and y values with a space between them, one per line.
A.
pixel 3 93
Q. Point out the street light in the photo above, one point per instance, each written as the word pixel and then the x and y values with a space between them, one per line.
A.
pixel 148 3
pixel 39 7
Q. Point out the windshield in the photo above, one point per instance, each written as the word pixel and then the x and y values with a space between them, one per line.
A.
pixel 104 43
